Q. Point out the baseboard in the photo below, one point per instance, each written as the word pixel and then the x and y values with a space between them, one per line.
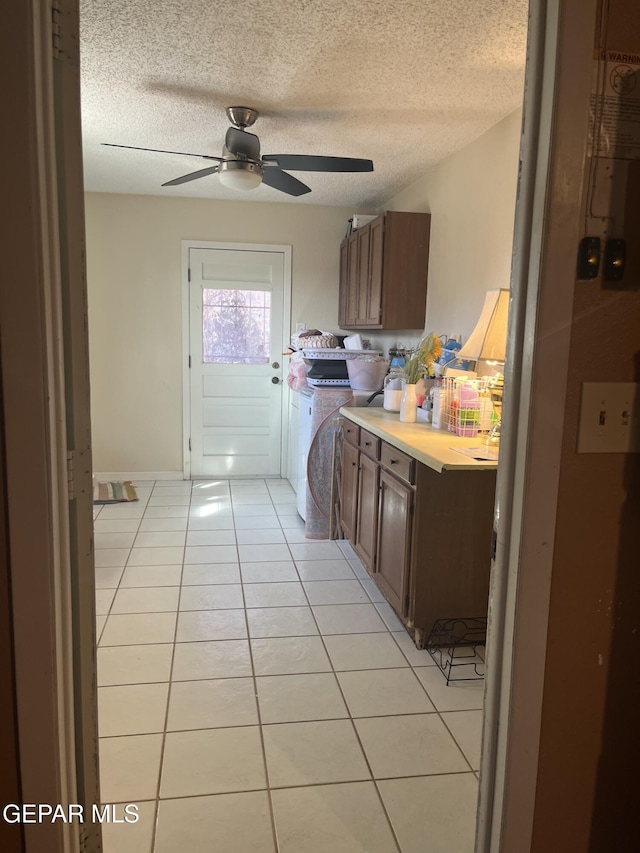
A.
pixel 115 476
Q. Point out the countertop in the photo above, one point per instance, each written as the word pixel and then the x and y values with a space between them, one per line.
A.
pixel 432 447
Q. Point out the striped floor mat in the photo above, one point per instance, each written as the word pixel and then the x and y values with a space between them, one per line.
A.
pixel 112 493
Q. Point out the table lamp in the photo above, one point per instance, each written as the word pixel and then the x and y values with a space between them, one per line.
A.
pixel 487 343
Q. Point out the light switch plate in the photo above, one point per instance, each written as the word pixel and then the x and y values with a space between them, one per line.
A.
pixel 609 418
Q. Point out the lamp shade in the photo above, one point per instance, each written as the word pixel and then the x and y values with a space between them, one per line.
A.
pixel 488 340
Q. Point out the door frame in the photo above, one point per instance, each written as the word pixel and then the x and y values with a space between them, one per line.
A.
pixel 45 398
pixel 187 245
pixel 548 226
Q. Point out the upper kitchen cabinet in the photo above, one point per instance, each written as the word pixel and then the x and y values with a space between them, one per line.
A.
pixel 383 273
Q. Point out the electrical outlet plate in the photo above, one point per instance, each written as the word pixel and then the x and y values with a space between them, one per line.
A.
pixel 609 418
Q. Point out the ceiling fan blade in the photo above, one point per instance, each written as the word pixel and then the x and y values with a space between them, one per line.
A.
pixel 241 142
pixel 280 180
pixel 160 151
pixel 313 163
pixel 192 176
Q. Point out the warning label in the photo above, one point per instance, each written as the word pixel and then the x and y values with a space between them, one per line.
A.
pixel 614 127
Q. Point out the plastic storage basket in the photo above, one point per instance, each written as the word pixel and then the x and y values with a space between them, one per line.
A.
pixel 366 375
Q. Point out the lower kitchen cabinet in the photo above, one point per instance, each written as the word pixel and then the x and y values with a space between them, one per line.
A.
pixel 451 542
pixel 393 552
pixel 367 512
pixel 348 488
pixel 423 535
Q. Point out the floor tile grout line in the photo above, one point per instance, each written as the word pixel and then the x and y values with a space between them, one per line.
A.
pixel 166 717
pixel 270 637
pixel 464 754
pixel 292 787
pixel 279 674
pixel 357 735
pixel 116 588
pixel 436 709
pixel 274 831
pixel 275 637
pixel 352 718
pixel 346 718
pixel 140 519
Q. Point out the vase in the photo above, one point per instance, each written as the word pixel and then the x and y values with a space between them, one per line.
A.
pixel 409 405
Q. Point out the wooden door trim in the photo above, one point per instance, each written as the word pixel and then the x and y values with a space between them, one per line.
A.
pixel 34 384
pixel 187 245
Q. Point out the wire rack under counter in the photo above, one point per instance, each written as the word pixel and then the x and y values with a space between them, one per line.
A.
pixel 457 646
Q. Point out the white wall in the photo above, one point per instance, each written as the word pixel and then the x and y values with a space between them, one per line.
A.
pixel 135 319
pixel 471 197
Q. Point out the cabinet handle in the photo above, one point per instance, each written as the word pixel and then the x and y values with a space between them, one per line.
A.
pixel 393 461
pixel 353 464
pixel 367 444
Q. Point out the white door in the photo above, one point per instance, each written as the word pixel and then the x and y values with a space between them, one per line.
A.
pixel 236 304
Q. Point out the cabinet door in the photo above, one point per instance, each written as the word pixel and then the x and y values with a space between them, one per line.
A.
pixel 348 489
pixel 374 290
pixel 367 511
pixel 394 541
pixel 352 280
pixel 363 274
pixel 405 269
pixel 344 283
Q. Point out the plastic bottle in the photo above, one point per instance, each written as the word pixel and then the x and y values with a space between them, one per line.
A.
pixel 437 406
pixel 393 390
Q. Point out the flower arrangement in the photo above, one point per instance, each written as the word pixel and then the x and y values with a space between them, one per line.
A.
pixel 427 351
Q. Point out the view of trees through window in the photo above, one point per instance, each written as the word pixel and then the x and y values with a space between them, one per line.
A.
pixel 235 326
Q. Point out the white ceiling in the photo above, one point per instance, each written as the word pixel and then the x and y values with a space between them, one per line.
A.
pixel 403 82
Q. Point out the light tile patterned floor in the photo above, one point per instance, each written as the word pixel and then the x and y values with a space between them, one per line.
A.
pixel 257 694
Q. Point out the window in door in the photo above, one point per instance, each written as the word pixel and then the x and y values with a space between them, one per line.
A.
pixel 236 326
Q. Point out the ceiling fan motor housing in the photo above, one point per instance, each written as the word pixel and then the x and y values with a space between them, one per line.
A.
pixel 242 116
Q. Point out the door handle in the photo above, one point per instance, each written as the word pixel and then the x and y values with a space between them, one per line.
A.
pixel 275 380
pixel 275 365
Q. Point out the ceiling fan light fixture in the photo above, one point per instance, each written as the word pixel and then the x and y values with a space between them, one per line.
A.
pixel 240 174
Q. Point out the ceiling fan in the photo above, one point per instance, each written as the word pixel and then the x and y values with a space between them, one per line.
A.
pixel 242 168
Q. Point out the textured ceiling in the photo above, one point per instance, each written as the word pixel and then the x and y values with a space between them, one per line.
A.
pixel 403 82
